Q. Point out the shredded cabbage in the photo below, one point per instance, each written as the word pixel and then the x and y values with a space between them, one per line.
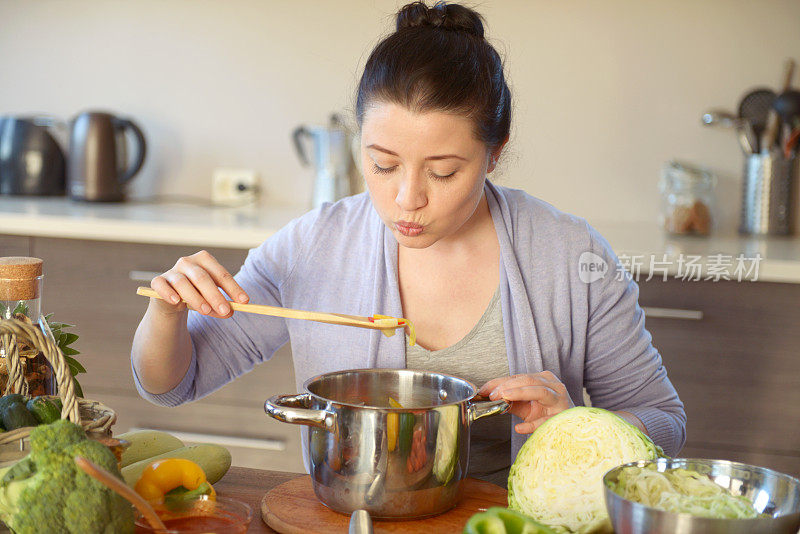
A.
pixel 681 491
pixel 557 478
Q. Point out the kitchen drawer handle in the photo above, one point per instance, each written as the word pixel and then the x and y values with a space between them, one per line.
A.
pixel 672 313
pixel 143 276
pixel 266 444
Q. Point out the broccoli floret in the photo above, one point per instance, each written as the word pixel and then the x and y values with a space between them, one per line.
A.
pixel 55 436
pixel 76 507
pixel 97 453
pixel 18 471
pixel 41 507
pixel 48 492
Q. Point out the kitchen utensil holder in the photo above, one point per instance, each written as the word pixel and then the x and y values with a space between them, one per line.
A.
pixel 92 415
pixel 770 196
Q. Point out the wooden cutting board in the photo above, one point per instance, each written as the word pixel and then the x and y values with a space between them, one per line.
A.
pixel 293 508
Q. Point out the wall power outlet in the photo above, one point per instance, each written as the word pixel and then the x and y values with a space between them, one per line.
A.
pixel 234 187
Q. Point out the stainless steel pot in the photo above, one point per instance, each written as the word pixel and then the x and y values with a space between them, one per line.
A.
pixel 398 463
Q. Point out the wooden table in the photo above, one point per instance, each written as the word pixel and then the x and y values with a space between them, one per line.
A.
pixel 250 485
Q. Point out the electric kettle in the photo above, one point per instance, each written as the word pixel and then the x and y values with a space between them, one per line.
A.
pixel 31 161
pixel 97 163
pixel 335 172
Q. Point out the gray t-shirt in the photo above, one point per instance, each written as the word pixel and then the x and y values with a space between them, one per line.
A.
pixel 478 357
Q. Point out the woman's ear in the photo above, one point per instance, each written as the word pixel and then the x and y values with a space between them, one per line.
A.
pixel 495 155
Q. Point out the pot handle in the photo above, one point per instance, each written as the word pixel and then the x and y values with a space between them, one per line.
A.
pixel 292 409
pixel 481 409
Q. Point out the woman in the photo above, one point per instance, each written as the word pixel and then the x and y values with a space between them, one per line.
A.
pixel 488 275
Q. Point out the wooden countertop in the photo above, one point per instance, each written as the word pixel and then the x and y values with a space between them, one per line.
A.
pixel 250 486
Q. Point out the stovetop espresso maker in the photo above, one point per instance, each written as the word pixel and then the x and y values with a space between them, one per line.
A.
pixel 331 149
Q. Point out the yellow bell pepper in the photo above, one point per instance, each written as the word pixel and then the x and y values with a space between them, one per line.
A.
pixel 391 430
pixel 392 424
pixel 163 476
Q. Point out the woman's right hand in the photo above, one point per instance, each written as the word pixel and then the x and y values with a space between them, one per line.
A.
pixel 197 279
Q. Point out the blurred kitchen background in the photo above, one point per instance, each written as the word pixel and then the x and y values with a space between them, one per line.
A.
pixel 605 92
pixel 605 95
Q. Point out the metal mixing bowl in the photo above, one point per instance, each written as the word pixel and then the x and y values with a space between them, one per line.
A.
pixel 770 492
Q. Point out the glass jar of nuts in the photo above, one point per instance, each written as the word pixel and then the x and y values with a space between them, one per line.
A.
pixel 687 199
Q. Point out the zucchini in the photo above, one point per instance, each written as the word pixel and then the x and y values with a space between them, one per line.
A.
pixel 146 444
pixel 7 400
pixel 405 433
pixel 214 459
pixel 44 410
pixel 446 456
pixel 16 415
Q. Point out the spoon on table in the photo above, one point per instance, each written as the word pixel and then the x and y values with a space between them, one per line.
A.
pixel 384 323
pixel 115 484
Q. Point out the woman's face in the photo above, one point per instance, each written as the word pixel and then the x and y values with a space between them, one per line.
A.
pixel 425 172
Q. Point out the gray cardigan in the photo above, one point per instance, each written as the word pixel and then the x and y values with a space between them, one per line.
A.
pixel 342 258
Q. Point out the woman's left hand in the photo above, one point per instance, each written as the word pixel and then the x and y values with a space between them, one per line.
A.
pixel 534 397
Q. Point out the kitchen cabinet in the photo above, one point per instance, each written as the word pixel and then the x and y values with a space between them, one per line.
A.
pixel 734 358
pixel 92 284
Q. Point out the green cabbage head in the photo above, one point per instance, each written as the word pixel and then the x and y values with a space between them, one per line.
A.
pixel 557 478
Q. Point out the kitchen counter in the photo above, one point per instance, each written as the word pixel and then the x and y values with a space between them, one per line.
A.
pixel 157 223
pixel 643 247
pixel 651 250
pixel 250 486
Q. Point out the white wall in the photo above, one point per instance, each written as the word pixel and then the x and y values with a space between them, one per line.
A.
pixel 606 91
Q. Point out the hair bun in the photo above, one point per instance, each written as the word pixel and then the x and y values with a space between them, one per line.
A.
pixel 452 17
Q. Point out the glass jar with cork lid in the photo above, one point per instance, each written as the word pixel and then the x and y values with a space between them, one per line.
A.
pixel 21 298
pixel 20 287
pixel 687 199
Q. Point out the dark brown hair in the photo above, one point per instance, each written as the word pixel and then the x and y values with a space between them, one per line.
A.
pixel 438 60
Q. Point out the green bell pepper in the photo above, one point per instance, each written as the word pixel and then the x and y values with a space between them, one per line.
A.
pixel 497 520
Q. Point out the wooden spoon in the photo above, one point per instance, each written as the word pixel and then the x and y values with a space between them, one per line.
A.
pixel 112 482
pixel 385 324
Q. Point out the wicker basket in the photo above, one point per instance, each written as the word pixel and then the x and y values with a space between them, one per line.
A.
pixel 95 417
